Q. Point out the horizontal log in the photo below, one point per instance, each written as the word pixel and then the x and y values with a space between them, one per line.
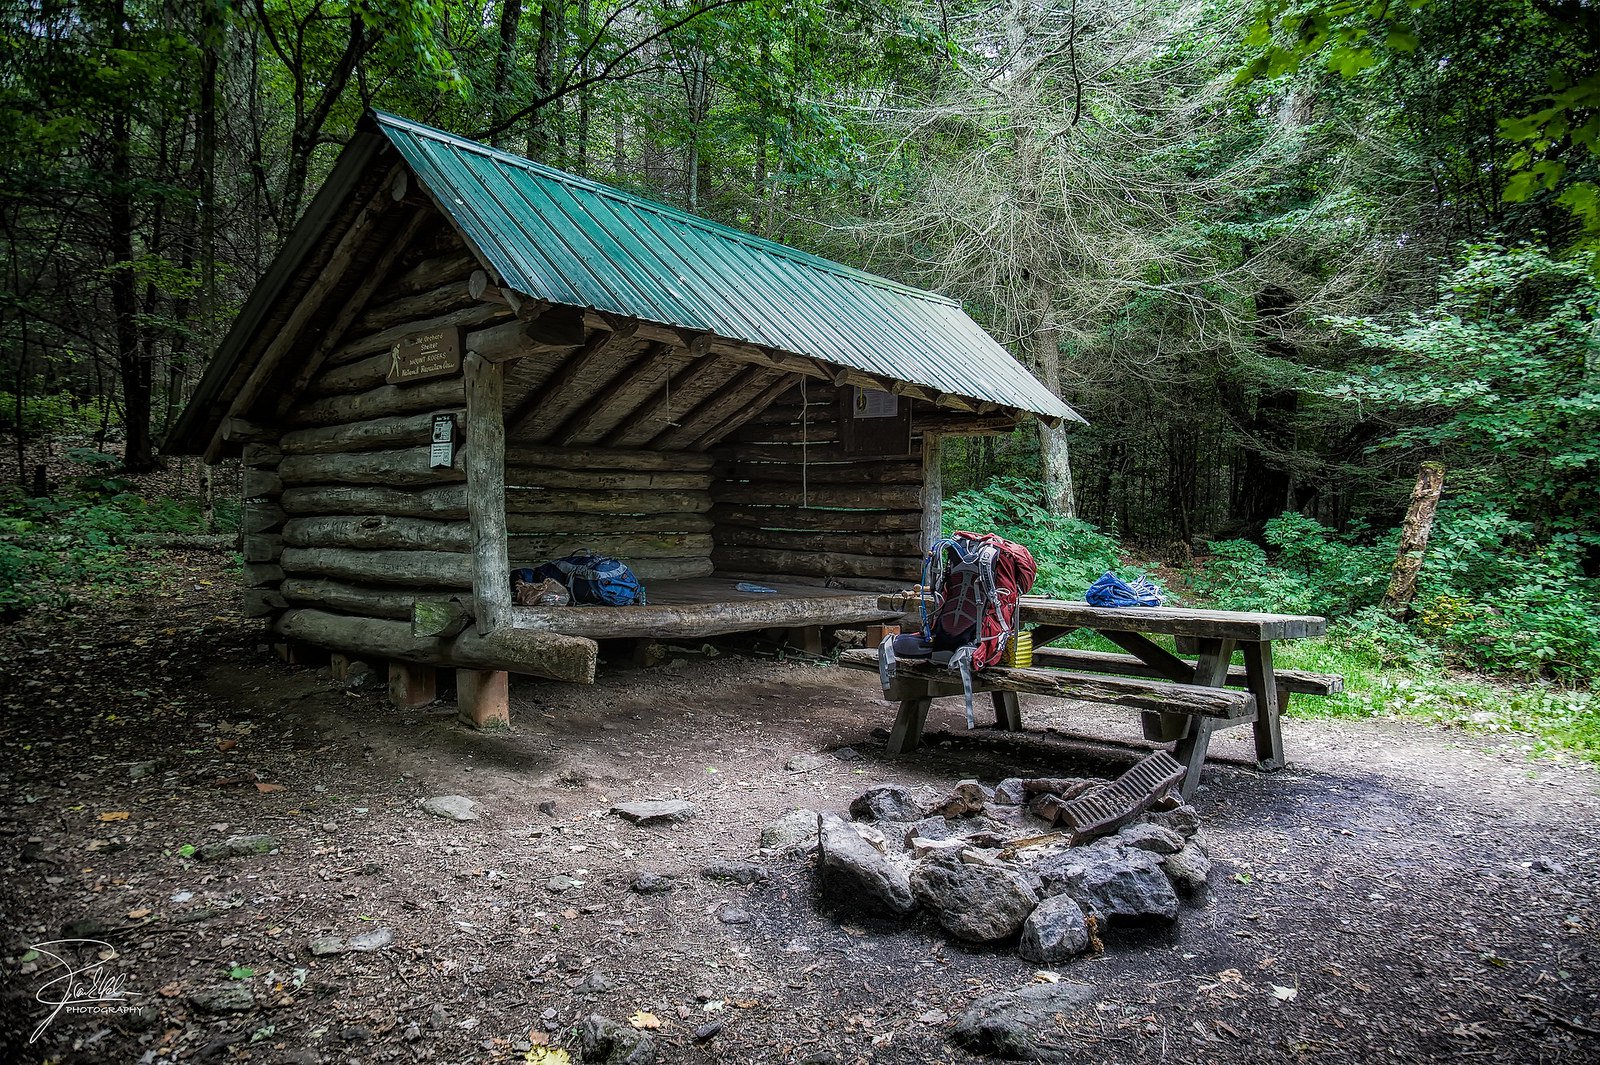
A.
pixel 261 484
pixel 434 272
pixel 700 619
pixel 670 569
pixel 260 456
pixel 603 480
pixel 904 545
pixel 608 524
pixel 607 458
pixel 261 547
pixel 405 430
pixel 260 517
pixel 510 340
pixel 345 598
pixel 815 563
pixel 378 532
pixel 261 602
pixel 434 568
pixel 466 317
pixel 430 303
pixel 542 654
pixel 1292 680
pixel 884 521
pixel 886 497
pixel 820 433
pixel 261 574
pixel 627 546
pixel 866 584
pixel 446 501
pixel 829 451
pixel 570 501
pixel 1085 687
pixel 441 618
pixel 830 473
pixel 402 467
pixel 358 376
pixel 387 400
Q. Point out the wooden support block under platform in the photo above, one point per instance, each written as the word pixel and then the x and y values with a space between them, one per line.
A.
pixel 411 684
pixel 483 698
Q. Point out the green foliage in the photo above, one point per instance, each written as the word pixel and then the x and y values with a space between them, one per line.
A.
pixel 1498 379
pixel 77 541
pixel 59 412
pixel 1315 571
pixel 1071 554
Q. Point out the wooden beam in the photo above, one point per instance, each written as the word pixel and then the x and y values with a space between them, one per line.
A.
pixel 658 404
pixel 612 404
pixel 695 415
pixel 486 493
pixel 542 654
pixel 562 383
pixel 556 325
pixel 701 619
pixel 932 490
pixel 751 408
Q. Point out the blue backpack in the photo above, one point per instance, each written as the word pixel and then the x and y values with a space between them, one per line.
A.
pixel 593 580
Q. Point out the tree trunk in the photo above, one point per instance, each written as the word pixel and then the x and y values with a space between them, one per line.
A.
pixel 134 370
pixel 1414 533
pixel 504 59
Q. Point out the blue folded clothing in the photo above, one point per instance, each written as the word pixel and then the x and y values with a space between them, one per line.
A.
pixel 1111 590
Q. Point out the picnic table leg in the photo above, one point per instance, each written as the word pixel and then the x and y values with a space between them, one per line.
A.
pixel 1211 670
pixel 1269 699
pixel 906 734
pixel 1007 711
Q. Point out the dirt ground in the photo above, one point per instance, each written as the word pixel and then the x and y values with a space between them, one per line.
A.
pixel 1412 894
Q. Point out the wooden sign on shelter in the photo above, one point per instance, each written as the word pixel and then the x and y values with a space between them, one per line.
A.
pixel 421 356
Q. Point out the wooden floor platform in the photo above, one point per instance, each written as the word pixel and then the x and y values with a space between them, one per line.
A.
pixel 708 606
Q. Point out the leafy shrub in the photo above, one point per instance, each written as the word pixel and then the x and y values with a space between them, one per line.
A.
pixel 1071 554
pixel 1315 571
pixel 51 546
pixel 59 412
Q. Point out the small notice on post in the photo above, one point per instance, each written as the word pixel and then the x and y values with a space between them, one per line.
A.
pixel 420 356
pixel 443 453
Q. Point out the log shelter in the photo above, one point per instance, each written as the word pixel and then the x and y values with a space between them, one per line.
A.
pixel 464 362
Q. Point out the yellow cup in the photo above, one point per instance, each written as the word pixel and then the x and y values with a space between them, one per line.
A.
pixel 1019 653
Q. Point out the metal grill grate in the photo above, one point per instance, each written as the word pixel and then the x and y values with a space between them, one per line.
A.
pixel 1106 809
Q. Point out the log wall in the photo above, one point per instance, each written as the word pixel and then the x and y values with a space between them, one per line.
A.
pixel 789 503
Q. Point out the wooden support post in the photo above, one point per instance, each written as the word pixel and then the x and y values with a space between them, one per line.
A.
pixel 486 492
pixel 807 638
pixel 932 489
pixel 339 666
pixel 483 698
pixel 1212 671
pixel 1007 711
pixel 907 732
pixel 412 685
pixel 1264 686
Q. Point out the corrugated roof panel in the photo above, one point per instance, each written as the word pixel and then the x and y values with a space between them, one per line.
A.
pixel 562 238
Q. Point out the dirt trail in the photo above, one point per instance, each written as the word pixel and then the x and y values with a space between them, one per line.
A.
pixel 1422 894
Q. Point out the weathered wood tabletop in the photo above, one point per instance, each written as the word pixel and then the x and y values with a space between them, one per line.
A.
pixel 1172 710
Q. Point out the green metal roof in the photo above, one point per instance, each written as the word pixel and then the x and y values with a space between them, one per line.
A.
pixel 561 238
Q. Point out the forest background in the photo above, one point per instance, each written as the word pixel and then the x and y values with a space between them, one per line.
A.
pixel 1278 255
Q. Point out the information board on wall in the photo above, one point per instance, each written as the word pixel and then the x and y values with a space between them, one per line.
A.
pixel 421 356
pixel 874 422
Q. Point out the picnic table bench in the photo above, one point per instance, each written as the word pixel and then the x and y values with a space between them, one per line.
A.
pixel 1180 701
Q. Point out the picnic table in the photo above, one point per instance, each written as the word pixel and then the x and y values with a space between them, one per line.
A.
pixel 1180 700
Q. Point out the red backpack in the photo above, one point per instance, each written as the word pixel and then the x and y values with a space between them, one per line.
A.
pixel 977 581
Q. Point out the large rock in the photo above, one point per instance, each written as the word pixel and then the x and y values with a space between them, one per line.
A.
pixel 977 902
pixel 654 811
pixel 451 807
pixel 1055 931
pixel 602 1041
pixel 1021 1024
pixel 236 847
pixel 1158 839
pixel 856 875
pixel 794 830
pixel 1184 820
pixel 1112 882
pixel 1188 870
pixel 885 802
pixel 967 798
pixel 223 998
